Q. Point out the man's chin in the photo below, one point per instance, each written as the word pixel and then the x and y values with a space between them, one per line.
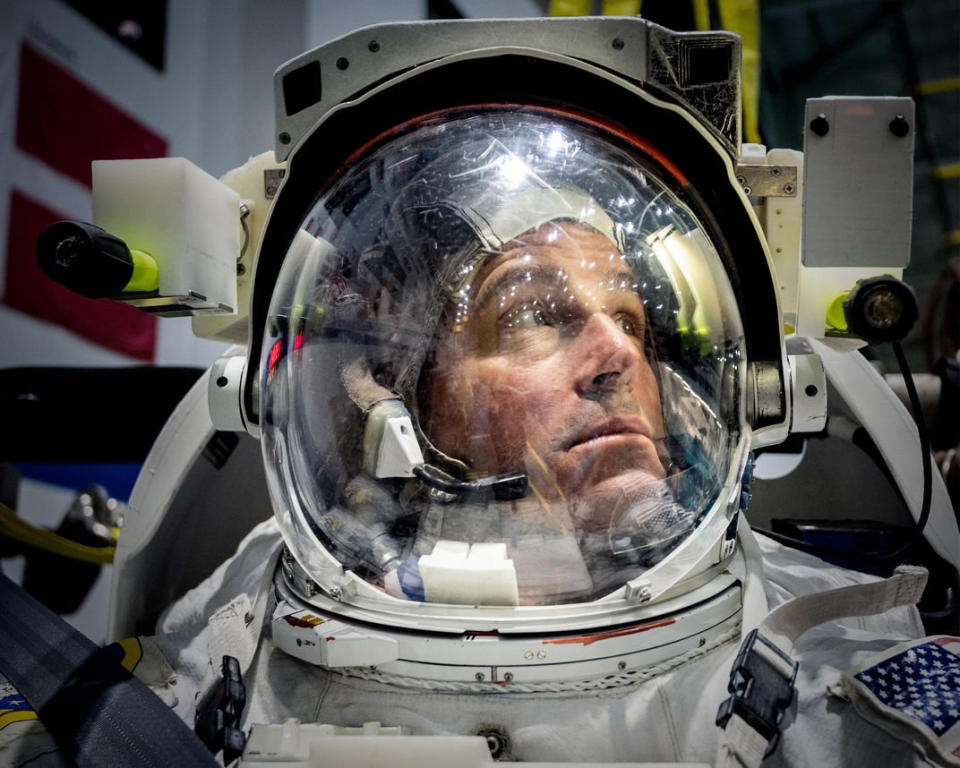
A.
pixel 607 464
pixel 598 505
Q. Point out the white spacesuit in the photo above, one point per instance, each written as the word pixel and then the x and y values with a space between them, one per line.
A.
pixel 511 347
pixel 662 714
pixel 503 421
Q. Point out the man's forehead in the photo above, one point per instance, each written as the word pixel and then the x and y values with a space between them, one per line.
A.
pixel 566 246
pixel 563 237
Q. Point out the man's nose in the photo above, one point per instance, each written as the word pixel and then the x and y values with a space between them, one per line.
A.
pixel 608 357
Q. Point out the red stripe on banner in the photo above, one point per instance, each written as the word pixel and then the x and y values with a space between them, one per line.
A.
pixel 68 125
pixel 118 327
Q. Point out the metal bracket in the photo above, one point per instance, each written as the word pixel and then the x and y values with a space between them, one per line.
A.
pixel 764 392
pixel 218 719
pixel 762 684
pixel 808 389
pixel 768 180
pixel 638 591
pixel 271 181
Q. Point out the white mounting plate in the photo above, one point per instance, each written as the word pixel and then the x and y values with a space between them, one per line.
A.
pixel 858 182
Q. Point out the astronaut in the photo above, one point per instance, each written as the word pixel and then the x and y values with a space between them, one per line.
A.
pixel 507 363
pixel 504 429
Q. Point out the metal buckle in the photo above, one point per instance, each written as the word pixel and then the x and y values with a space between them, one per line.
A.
pixel 762 684
pixel 218 719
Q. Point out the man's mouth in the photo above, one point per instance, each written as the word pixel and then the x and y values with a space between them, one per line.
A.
pixel 623 425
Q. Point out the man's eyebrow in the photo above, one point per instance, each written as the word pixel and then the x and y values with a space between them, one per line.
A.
pixel 620 282
pixel 520 273
pixel 626 282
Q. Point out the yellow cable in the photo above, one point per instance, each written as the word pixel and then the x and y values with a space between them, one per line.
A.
pixel 570 7
pixel 947 171
pixel 701 15
pixel 621 7
pixel 13 527
pixel 940 85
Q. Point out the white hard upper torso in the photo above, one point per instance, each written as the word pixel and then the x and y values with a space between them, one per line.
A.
pixel 669 717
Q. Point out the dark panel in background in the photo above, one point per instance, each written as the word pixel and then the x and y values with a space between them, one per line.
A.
pixel 87 415
pixel 878 48
pixel 140 26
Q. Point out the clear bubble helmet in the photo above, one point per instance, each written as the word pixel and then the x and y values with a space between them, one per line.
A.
pixel 503 366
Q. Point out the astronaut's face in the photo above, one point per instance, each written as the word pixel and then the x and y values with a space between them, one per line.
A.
pixel 547 370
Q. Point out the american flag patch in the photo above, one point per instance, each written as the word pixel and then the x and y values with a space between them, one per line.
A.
pixel 916 684
pixel 13 707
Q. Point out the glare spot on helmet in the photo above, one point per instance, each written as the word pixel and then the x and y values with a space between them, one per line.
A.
pixel 555 143
pixel 513 171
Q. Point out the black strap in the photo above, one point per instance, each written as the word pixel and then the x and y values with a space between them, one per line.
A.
pixel 97 712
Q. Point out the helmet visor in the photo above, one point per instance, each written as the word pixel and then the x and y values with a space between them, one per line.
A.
pixel 539 295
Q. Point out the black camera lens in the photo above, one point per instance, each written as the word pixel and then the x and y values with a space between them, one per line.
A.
pixel 84 258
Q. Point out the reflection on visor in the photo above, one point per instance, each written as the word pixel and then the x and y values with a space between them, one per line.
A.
pixel 543 307
pixel 545 554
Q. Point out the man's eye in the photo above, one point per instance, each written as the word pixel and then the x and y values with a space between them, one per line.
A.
pixel 527 316
pixel 628 325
